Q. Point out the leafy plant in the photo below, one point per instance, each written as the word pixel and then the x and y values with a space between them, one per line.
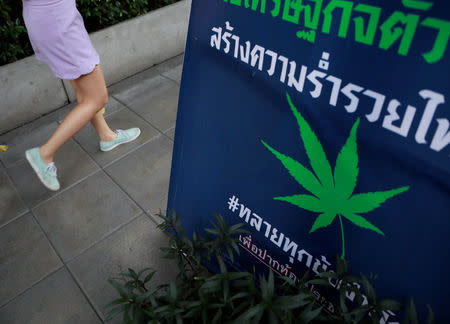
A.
pixel 332 193
pixel 197 296
pixel 13 33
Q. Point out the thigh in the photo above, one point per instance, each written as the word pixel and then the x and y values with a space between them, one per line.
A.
pixel 90 86
pixel 77 90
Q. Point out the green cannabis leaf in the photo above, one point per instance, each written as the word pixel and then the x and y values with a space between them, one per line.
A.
pixel 332 193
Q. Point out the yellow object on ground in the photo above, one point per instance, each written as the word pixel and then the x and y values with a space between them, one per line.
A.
pixel 103 110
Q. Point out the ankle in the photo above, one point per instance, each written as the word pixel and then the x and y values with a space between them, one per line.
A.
pixel 47 158
pixel 110 136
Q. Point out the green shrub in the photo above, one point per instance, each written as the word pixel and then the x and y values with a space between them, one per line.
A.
pixel 198 296
pixel 14 39
pixel 97 14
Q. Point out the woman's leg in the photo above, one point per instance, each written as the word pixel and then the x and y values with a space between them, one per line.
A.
pixel 104 132
pixel 98 121
pixel 93 97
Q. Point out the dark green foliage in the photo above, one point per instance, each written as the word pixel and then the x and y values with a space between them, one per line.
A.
pixel 198 296
pixel 97 14
pixel 14 42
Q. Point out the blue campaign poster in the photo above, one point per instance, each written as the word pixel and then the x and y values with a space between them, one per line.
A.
pixel 323 125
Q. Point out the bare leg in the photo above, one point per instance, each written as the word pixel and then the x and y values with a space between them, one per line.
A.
pixel 104 132
pixel 93 95
pixel 98 121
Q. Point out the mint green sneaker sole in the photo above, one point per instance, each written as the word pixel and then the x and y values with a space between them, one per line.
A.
pixel 127 141
pixel 38 174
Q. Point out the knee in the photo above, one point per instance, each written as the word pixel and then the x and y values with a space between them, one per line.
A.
pixel 103 99
pixel 98 101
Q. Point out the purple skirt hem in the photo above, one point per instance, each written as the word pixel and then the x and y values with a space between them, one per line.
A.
pixel 82 71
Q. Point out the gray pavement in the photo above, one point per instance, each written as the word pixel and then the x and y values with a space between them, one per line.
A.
pixel 57 249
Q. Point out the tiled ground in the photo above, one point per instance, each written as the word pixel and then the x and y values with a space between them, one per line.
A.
pixel 57 249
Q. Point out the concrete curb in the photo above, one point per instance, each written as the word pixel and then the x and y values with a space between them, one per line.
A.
pixel 28 88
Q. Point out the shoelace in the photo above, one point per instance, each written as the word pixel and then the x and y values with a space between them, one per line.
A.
pixel 121 131
pixel 51 168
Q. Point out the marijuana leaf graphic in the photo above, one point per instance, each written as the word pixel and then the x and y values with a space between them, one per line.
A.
pixel 332 193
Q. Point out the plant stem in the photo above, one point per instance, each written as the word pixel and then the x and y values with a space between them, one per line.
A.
pixel 179 243
pixel 343 239
pixel 188 260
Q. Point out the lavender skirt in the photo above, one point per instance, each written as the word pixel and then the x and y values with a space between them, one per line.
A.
pixel 59 38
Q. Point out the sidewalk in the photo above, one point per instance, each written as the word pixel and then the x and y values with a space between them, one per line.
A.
pixel 57 249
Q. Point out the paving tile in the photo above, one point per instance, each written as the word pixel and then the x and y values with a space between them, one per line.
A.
pixel 11 205
pixel 111 107
pixel 26 257
pixel 131 81
pixel 174 74
pixel 136 245
pixel 155 99
pixel 39 131
pixel 24 138
pixel 171 133
pixel 58 114
pixel 145 173
pixel 170 64
pixel 146 74
pixel 84 214
pixel 73 165
pixel 122 119
pixel 64 303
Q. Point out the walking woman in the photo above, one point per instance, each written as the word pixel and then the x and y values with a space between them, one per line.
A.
pixel 59 38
